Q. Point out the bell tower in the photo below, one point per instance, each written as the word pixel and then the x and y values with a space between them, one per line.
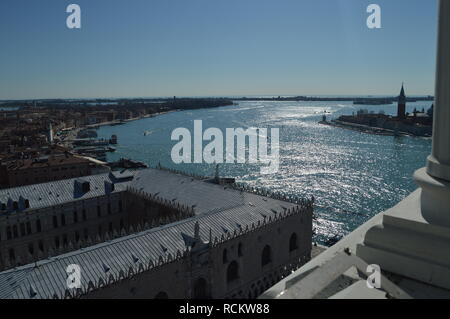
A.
pixel 401 110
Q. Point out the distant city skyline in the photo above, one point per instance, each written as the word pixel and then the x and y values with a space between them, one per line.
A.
pixel 163 48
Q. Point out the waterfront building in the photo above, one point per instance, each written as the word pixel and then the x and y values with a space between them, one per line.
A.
pixel 45 168
pixel 149 234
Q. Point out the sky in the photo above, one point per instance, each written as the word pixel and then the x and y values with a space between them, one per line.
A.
pixel 155 48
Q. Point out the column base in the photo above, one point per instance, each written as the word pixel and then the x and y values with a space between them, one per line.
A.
pixel 408 245
pixel 435 198
pixel 437 169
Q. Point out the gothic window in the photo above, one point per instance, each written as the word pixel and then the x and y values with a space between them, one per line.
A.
pixel 15 232
pixel 63 220
pixel 12 256
pixel 201 289
pixel 240 250
pixel 38 226
pixel 266 257
pixel 22 229
pixel 55 222
pixel 232 271
pixel 225 256
pixel 293 244
pixel 28 228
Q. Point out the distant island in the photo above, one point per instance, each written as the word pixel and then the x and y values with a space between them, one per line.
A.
pixel 419 123
pixel 355 100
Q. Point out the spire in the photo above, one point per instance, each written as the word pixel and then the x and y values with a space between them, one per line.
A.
pixel 402 92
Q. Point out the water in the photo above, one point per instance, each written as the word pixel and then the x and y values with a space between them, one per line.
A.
pixel 352 175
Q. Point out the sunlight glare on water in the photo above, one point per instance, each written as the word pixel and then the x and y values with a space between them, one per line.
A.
pixel 352 175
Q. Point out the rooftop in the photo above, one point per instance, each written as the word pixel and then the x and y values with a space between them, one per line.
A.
pixel 221 214
pixel 173 188
pixel 46 161
pixel 58 192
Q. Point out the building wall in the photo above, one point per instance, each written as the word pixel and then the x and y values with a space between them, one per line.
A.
pixel 204 273
pixel 77 223
pixel 28 176
pixel 149 211
pixel 166 282
pixel 63 230
pixel 254 277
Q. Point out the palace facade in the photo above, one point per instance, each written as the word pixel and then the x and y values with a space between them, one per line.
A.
pixel 148 234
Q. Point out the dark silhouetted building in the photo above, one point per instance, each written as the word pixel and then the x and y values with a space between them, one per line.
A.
pixel 401 111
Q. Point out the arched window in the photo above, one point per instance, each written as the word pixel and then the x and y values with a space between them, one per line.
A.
pixel 15 231
pixel 162 295
pixel 38 225
pixel 266 257
pixel 201 289
pixel 232 271
pixel 293 244
pixel 240 250
pixel 225 256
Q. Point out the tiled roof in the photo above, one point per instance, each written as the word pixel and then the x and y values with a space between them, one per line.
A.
pixel 59 192
pixel 138 252
pixel 221 213
pixel 203 197
pixel 175 188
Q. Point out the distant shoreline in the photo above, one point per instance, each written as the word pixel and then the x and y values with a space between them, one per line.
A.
pixel 109 102
pixel 355 100
pixel 112 123
pixel 375 130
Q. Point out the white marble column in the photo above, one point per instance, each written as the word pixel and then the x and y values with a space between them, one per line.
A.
pixel 413 238
pixel 435 179
pixel 439 161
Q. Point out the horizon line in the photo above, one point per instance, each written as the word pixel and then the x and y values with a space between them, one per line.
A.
pixel 217 96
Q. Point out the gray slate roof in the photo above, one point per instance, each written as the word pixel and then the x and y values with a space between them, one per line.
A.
pixel 61 192
pixel 219 210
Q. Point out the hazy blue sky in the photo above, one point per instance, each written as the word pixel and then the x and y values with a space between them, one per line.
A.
pixel 215 47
